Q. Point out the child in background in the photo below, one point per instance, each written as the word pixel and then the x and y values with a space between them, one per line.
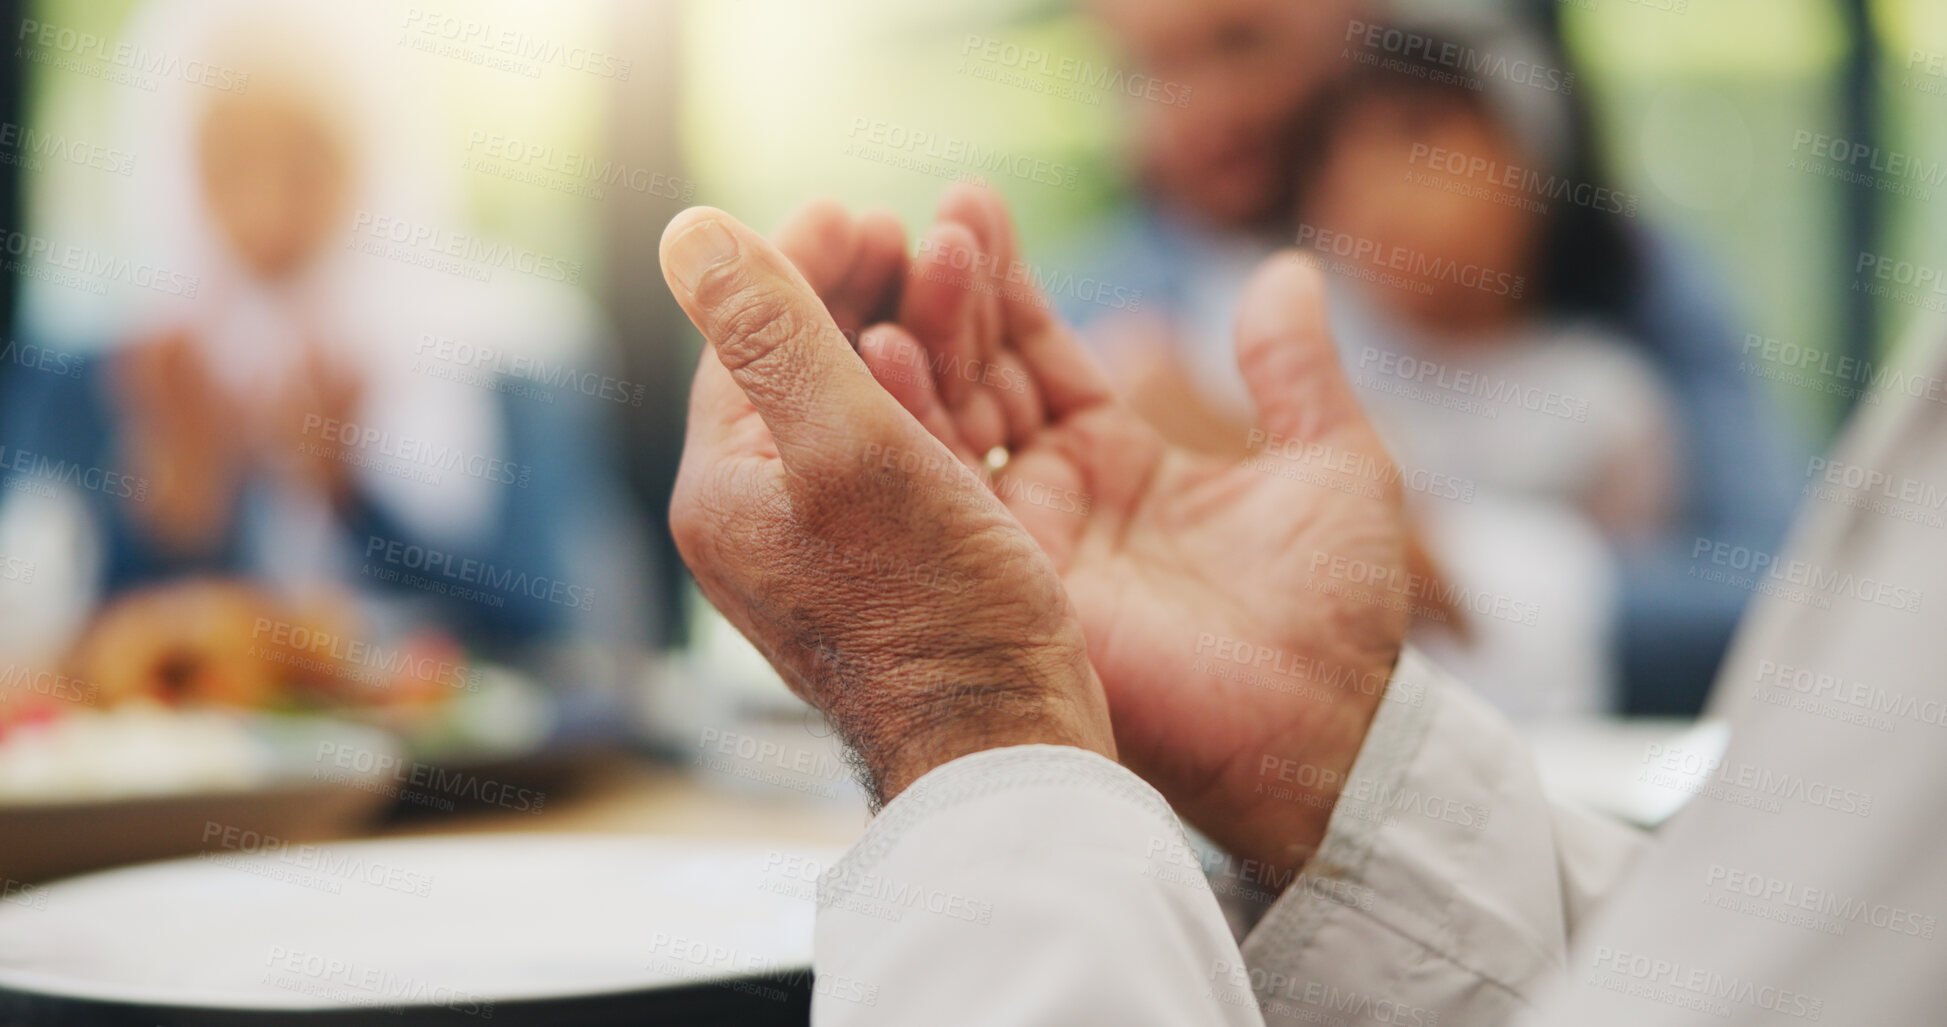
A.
pixel 1471 248
pixel 1438 201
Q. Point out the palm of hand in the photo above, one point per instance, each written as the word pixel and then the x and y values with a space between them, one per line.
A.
pixel 1229 608
pixel 1205 589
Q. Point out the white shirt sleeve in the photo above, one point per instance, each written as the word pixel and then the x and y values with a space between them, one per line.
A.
pixel 1024 886
pixel 1447 887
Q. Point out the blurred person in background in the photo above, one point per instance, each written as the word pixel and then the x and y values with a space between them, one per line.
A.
pixel 1534 438
pixel 1221 161
pixel 1214 171
pixel 308 438
pixel 1205 217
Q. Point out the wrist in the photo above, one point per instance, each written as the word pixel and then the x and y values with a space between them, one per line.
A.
pixel 941 714
pixel 1296 782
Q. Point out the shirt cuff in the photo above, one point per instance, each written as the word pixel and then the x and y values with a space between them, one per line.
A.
pixel 1029 884
pixel 982 774
pixel 1435 895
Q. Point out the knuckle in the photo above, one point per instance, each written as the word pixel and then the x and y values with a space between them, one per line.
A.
pixel 754 322
pixel 691 523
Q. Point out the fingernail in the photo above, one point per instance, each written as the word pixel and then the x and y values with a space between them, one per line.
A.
pixel 698 250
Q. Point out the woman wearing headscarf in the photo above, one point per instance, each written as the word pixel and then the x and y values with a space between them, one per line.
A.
pixel 300 409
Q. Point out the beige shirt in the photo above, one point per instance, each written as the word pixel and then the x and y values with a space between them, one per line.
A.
pixel 1804 881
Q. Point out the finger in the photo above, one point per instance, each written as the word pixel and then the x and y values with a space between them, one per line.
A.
pixel 982 422
pixel 854 264
pixel 879 272
pixel 821 239
pixel 937 307
pixel 997 273
pixel 899 363
pixel 1065 374
pixel 941 307
pixel 1284 349
pixel 975 207
pixel 1043 490
pixel 1021 407
pixel 776 339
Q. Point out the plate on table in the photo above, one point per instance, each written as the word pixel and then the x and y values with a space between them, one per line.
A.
pixel 140 783
pixel 507 929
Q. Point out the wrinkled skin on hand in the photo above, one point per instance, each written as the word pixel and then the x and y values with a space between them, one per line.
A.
pixel 873 569
pixel 1229 606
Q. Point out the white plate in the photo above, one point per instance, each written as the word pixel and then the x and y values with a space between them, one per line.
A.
pixel 453 921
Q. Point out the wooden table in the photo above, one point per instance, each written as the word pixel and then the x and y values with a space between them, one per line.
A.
pixel 619 794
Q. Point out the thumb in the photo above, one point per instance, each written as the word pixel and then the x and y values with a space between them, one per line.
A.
pixel 1285 351
pixel 773 334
